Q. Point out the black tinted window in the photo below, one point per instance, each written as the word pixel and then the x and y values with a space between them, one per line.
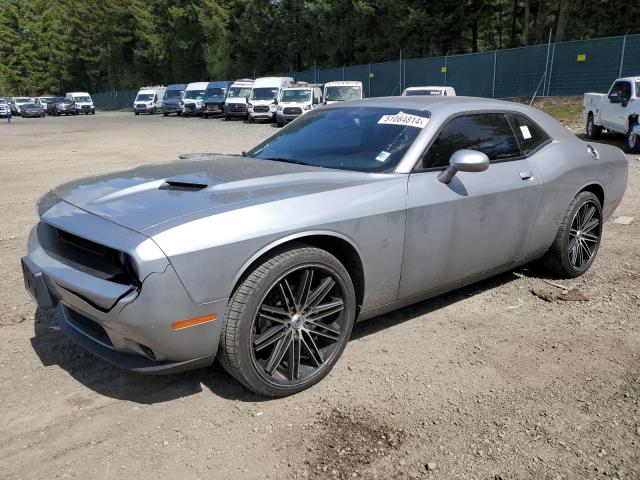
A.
pixel 489 133
pixel 529 135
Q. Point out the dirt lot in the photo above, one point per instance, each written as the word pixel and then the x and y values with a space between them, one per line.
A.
pixel 489 382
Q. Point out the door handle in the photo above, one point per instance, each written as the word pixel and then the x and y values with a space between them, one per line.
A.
pixel 526 175
pixel 593 152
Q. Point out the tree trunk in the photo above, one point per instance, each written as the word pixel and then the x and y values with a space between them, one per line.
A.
pixel 514 13
pixel 525 28
pixel 563 18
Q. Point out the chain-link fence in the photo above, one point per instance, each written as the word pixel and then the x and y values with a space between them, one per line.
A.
pixel 555 69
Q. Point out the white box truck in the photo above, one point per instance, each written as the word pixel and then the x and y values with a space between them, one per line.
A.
pixel 149 100
pixel 193 100
pixel 83 102
pixel 342 91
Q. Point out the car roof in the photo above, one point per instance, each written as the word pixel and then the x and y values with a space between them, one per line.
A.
pixel 422 87
pixel 631 79
pixel 219 83
pixel 343 82
pixel 197 86
pixel 177 86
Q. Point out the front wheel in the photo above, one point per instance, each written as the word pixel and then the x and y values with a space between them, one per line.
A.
pixel 288 322
pixel 578 238
pixel 633 139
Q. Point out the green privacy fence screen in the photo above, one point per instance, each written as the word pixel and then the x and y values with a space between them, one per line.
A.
pixel 567 68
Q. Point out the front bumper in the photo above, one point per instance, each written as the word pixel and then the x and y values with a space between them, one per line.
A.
pixel 171 108
pixel 26 114
pixel 145 109
pixel 214 108
pixel 125 325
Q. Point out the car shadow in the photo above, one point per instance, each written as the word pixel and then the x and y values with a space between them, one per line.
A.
pixel 53 348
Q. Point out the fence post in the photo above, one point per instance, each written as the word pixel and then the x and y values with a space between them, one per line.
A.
pixel 369 80
pixel 493 86
pixel 343 73
pixel 446 68
pixel 553 57
pixel 624 45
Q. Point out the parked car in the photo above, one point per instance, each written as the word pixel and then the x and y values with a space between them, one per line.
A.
pixel 18 102
pixel 149 100
pixel 31 110
pixel 43 101
pixel 341 91
pixel 193 100
pixel 264 96
pixel 235 105
pixel 171 101
pixel 295 101
pixel 5 109
pixel 617 111
pixel 442 91
pixel 214 98
pixel 61 106
pixel 265 260
pixel 83 102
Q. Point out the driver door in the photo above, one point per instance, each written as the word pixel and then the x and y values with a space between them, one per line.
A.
pixel 477 222
pixel 614 108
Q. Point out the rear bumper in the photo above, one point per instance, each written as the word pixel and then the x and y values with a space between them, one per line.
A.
pixel 128 326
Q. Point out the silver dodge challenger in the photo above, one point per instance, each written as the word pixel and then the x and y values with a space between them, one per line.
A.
pixel 265 260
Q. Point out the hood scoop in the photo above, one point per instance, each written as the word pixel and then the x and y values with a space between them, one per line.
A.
pixel 183 186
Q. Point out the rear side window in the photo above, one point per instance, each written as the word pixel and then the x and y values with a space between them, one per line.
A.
pixel 529 135
pixel 489 133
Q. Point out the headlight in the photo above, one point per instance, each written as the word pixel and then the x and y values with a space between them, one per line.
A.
pixel 279 109
pixel 249 105
pixel 307 107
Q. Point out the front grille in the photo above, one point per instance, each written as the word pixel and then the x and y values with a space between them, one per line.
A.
pixel 141 105
pixel 292 111
pixel 238 107
pixel 84 255
pixel 261 109
pixel 89 327
pixel 190 106
pixel 85 107
pixel 213 107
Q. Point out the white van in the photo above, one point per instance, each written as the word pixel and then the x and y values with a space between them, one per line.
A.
pixel 437 91
pixel 296 100
pixel 148 100
pixel 83 102
pixel 264 97
pixel 193 100
pixel 342 91
pixel 235 105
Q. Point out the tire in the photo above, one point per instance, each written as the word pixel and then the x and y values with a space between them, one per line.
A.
pixel 632 143
pixel 136 113
pixel 257 310
pixel 593 131
pixel 165 114
pixel 565 260
pixel 280 124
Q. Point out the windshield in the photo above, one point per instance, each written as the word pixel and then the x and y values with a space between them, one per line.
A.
pixel 296 96
pixel 194 94
pixel 365 139
pixel 61 100
pixel 30 105
pixel 22 99
pixel 342 93
pixel 264 93
pixel 240 91
pixel 144 97
pixel 84 98
pixel 215 92
pixel 413 93
pixel 172 94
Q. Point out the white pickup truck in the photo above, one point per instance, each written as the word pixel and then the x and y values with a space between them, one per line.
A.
pixel 617 111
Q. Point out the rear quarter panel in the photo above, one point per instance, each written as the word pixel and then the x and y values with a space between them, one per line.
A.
pixel 565 168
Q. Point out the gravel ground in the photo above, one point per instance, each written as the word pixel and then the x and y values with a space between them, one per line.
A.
pixel 489 382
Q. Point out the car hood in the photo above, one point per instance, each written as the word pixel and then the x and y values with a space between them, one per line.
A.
pixel 151 195
pixel 215 99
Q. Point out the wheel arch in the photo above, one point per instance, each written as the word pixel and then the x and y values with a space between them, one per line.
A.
pixel 339 245
pixel 632 120
pixel 597 189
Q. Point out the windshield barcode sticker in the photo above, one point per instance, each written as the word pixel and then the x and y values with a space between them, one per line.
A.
pixel 405 119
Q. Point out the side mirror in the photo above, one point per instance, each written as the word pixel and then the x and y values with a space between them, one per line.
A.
pixel 464 161
pixel 275 101
pixel 614 97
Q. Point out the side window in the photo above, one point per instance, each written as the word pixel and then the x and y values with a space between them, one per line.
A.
pixel 489 133
pixel 618 90
pixel 528 134
pixel 625 91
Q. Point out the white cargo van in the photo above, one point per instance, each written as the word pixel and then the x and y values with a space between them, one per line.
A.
pixel 148 100
pixel 437 91
pixel 296 100
pixel 264 97
pixel 193 100
pixel 83 102
pixel 235 105
pixel 342 91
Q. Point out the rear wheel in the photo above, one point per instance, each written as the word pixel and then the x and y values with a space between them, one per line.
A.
pixel 633 141
pixel 593 131
pixel 288 322
pixel 578 238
